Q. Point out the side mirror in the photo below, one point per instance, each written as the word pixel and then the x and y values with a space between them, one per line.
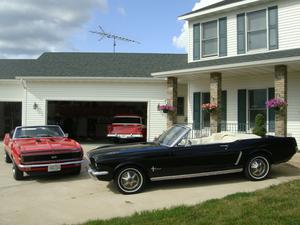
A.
pixel 66 135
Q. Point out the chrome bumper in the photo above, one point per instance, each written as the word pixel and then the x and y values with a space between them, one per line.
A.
pixel 125 136
pixel 48 164
pixel 94 173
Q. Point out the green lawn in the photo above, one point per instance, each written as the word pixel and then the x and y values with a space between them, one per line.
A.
pixel 275 205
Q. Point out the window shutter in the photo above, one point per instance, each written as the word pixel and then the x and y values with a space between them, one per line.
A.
pixel 223 110
pixel 273 28
pixel 241 37
pixel 242 109
pixel 197 110
pixel 223 36
pixel 271 94
pixel 196 41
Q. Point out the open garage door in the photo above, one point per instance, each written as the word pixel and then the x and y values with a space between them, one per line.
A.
pixel 10 116
pixel 87 121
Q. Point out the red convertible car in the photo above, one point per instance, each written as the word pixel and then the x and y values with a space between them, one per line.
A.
pixel 127 127
pixel 41 149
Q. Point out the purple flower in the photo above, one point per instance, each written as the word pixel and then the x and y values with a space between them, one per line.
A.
pixel 276 103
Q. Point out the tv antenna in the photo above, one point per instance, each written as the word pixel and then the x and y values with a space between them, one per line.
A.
pixel 115 38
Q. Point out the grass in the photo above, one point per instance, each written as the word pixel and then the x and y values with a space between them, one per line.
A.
pixel 275 205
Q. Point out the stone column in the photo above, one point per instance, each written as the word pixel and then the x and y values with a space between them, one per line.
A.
pixel 215 98
pixel 281 92
pixel 172 100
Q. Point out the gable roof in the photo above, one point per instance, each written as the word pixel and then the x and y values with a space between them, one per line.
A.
pixel 218 4
pixel 91 65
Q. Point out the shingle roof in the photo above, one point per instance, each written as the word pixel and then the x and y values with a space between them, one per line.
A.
pixel 241 59
pixel 218 4
pixel 91 65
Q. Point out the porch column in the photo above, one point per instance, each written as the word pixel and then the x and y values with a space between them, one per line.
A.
pixel 215 98
pixel 172 100
pixel 281 92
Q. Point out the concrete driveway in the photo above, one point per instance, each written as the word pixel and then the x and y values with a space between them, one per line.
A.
pixel 76 199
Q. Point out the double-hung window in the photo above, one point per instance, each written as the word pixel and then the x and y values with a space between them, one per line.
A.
pixel 210 38
pixel 257 30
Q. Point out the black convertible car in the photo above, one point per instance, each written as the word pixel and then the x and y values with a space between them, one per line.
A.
pixel 174 155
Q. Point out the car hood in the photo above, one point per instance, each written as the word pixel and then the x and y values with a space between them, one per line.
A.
pixel 123 149
pixel 36 145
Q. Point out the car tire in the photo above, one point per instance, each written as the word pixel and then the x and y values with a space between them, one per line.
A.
pixel 7 158
pixel 257 168
pixel 130 180
pixel 18 174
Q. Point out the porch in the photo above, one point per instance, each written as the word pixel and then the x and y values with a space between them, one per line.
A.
pixel 240 92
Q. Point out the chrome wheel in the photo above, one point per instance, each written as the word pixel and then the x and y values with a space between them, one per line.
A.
pixel 130 180
pixel 258 167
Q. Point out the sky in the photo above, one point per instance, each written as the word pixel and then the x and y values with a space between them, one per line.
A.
pixel 29 28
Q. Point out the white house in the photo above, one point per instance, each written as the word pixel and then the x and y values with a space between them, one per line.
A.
pixel 241 53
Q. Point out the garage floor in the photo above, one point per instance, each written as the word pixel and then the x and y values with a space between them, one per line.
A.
pixel 72 200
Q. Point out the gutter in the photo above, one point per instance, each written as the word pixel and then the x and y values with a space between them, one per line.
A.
pixel 56 78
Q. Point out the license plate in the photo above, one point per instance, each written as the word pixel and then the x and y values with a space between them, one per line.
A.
pixel 54 168
pixel 123 136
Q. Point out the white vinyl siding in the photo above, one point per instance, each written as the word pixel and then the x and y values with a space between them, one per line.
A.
pixel 288 26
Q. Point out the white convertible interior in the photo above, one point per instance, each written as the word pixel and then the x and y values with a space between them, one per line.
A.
pixel 223 137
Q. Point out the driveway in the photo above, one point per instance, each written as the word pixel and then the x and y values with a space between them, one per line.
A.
pixel 76 199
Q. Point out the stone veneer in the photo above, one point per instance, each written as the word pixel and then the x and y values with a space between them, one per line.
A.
pixel 281 92
pixel 172 84
pixel 215 97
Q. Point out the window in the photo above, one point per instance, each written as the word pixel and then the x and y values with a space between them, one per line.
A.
pixel 180 106
pixel 257 30
pixel 210 38
pixel 257 99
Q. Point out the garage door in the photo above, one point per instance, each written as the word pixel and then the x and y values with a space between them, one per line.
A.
pixel 10 116
pixel 87 121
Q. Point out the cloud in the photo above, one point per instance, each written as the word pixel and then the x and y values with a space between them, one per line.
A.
pixel 121 11
pixel 181 41
pixel 31 27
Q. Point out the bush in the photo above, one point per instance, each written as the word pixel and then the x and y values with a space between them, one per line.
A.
pixel 260 125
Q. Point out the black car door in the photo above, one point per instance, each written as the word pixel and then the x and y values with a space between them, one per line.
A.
pixel 203 158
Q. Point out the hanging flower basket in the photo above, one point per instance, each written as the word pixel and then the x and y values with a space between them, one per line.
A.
pixel 277 104
pixel 165 108
pixel 209 107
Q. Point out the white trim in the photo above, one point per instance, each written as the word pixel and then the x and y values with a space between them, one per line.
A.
pixel 218 9
pixel 8 81
pixel 183 72
pixel 48 78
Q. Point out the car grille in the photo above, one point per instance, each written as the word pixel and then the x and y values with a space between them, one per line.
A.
pixel 51 157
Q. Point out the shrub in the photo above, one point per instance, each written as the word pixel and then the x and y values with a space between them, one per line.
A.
pixel 260 125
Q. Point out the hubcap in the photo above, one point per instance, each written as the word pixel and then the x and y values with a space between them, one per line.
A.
pixel 258 167
pixel 130 180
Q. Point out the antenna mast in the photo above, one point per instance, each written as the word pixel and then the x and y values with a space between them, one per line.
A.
pixel 104 34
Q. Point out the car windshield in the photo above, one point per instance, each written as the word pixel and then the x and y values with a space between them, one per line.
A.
pixel 39 131
pixel 172 135
pixel 133 120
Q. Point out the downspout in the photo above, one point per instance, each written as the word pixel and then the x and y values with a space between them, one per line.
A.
pixel 23 82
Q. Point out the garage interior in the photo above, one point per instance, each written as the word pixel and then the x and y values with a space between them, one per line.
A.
pixel 87 121
pixel 10 116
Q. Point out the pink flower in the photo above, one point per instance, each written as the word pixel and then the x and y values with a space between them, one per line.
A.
pixel 276 103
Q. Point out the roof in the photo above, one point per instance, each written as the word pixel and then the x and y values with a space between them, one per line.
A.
pixel 272 55
pixel 218 4
pixel 91 65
